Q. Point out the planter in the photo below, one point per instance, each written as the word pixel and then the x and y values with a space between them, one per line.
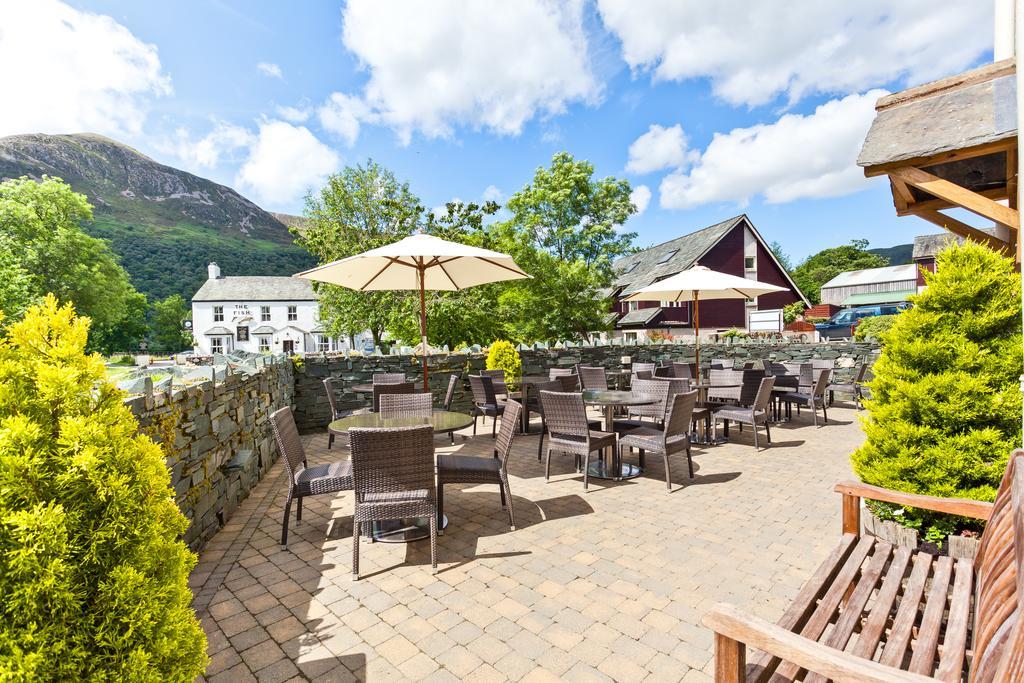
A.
pixel 959 547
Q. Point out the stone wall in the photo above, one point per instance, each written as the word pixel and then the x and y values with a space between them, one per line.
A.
pixel 312 411
pixel 218 439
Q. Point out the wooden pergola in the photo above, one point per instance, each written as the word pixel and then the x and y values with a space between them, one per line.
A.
pixel 952 143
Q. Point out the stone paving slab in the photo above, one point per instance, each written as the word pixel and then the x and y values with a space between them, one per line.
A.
pixel 605 585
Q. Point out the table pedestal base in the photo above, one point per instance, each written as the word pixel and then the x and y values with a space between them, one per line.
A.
pixel 606 470
pixel 405 530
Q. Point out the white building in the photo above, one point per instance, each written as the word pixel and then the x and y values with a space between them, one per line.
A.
pixel 885 285
pixel 261 314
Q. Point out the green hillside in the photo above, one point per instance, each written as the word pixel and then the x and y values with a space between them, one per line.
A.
pixel 164 223
pixel 898 255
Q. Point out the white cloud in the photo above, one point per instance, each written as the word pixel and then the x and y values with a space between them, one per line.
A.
pixel 657 149
pixel 752 52
pixel 293 114
pixel 285 162
pixel 489 65
pixel 208 151
pixel 67 71
pixel 270 69
pixel 796 156
pixel 341 114
pixel 641 198
pixel 493 194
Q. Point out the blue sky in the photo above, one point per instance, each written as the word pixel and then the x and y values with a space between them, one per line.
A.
pixel 466 100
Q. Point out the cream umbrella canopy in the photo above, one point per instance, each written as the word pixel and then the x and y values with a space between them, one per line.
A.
pixel 418 262
pixel 698 282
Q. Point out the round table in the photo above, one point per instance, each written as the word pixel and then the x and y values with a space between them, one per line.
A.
pixel 610 400
pixel 368 388
pixel 442 421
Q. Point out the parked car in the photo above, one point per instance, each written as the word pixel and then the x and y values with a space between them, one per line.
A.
pixel 842 324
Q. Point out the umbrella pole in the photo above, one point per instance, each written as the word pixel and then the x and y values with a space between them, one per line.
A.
pixel 423 327
pixel 696 326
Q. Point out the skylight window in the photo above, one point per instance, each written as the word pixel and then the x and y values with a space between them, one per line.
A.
pixel 629 269
pixel 667 257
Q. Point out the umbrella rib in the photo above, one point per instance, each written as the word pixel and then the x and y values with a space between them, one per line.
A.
pixel 448 275
pixel 501 265
pixel 390 262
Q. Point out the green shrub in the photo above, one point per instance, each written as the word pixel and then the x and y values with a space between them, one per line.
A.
pixel 93 578
pixel 873 327
pixel 503 356
pixel 792 311
pixel 946 406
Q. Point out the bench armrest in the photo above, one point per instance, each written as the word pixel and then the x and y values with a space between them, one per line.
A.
pixel 730 623
pixel 963 507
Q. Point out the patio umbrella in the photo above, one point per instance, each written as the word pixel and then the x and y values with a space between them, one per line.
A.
pixel 697 282
pixel 418 262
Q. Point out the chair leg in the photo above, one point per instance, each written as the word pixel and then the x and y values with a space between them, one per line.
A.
pixel 540 441
pixel 768 431
pixel 547 463
pixel 507 493
pixel 284 522
pixel 824 411
pixel 754 429
pixel 726 432
pixel 501 492
pixel 356 533
pixel 640 458
pixel 494 431
pixel 474 423
pixel 440 504
pixel 330 441
pixel 689 460
pixel 814 413
pixel 433 543
pixel 668 473
pixel 451 435
pixel 586 472
pixel 298 510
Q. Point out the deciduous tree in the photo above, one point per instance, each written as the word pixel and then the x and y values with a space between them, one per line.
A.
pixel 816 270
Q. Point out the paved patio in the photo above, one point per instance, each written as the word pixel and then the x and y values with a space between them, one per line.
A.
pixel 607 585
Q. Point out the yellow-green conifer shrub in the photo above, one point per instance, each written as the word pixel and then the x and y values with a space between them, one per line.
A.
pixel 93 578
pixel 946 407
pixel 503 356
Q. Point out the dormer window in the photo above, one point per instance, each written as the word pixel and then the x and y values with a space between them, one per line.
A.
pixel 667 257
pixel 630 268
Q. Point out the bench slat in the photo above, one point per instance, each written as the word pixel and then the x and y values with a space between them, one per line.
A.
pixel 906 615
pixel 923 661
pixel 954 645
pixel 853 610
pixel 826 608
pixel 871 632
pixel 760 667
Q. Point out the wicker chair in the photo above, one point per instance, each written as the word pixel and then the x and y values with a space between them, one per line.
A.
pixel 564 384
pixel 569 431
pixel 485 401
pixel 664 371
pixel 561 372
pixel 724 394
pixel 592 378
pixel 751 385
pixel 498 377
pixel 683 370
pixel 567 382
pixel 468 469
pixel 673 439
pixel 304 480
pixel 814 399
pixel 722 363
pixel 336 412
pixel 756 414
pixel 393 478
pixel 854 387
pixel 449 397
pixel 390 388
pixel 657 389
pixel 388 378
pixel 645 367
pixel 406 405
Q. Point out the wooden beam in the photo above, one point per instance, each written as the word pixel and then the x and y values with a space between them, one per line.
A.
pixel 960 196
pixel 902 195
pixel 940 204
pixel 985 149
pixel 961 229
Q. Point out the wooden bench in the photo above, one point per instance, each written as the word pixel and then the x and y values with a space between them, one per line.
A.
pixel 872 612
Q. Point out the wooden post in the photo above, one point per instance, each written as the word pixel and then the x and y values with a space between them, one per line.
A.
pixel 730 660
pixel 423 324
pixel 696 326
pixel 851 514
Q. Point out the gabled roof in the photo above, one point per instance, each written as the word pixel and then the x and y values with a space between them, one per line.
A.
pixel 640 316
pixel 873 276
pixel 264 329
pixel 644 267
pixel 256 288
pixel 927 246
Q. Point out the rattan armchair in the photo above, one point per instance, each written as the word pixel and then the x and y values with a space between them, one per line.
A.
pixel 854 387
pixel 498 377
pixel 813 399
pixel 569 431
pixel 449 397
pixel 406 405
pixel 380 389
pixel 592 378
pixel 468 469
pixel 673 439
pixel 388 378
pixel 755 415
pixel 485 401
pixel 564 384
pixel 393 478
pixel 304 480
pixel 644 367
pixel 683 370
pixel 657 389
pixel 336 412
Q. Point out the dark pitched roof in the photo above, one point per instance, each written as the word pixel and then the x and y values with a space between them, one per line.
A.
pixel 928 246
pixel 640 316
pixel 256 288
pixel 668 258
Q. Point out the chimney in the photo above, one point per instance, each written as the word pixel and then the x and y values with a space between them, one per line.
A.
pixel 214 271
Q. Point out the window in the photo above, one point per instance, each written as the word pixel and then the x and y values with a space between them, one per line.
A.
pixel 264 343
pixel 218 314
pixel 630 337
pixel 667 257
pixel 216 345
pixel 265 314
pixel 632 305
pixel 323 343
pixel 752 301
pixel 293 313
pixel 750 262
pixel 672 304
pixel 630 268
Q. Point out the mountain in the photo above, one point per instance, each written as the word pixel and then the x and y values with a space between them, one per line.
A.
pixel 898 255
pixel 164 223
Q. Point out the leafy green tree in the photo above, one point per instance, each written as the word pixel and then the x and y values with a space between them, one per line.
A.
pixel 93 578
pixel 168 332
pixel 565 231
pixel 127 332
pixel 946 405
pixel 41 222
pixel 816 270
pixel 503 356
pixel 361 208
pixel 16 291
pixel 782 256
